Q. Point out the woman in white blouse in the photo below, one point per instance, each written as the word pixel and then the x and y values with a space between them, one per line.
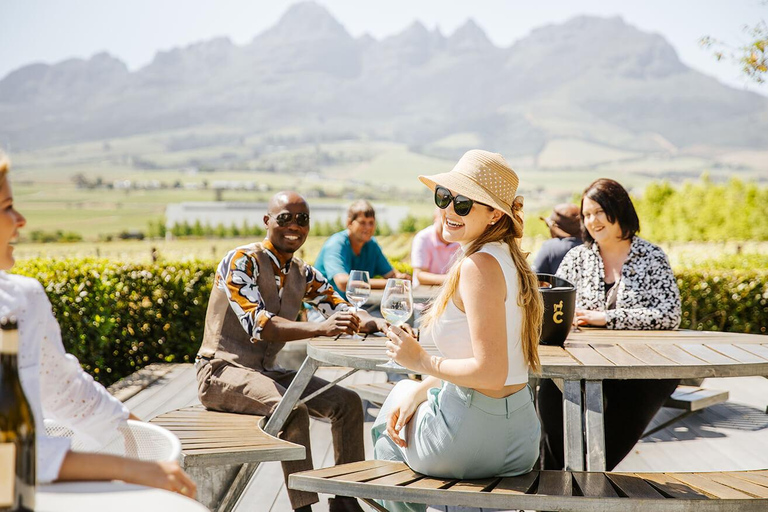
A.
pixel 58 388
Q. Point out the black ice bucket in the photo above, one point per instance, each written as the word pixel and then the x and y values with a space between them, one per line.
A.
pixel 559 305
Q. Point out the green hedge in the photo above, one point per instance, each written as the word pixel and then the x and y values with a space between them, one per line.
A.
pixel 724 300
pixel 117 318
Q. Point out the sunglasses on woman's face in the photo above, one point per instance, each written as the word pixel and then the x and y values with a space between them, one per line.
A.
pixel 461 205
pixel 285 218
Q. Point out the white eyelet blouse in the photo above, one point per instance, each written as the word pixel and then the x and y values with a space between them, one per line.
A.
pixel 53 381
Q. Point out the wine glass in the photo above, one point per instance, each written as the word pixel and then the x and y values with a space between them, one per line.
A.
pixel 396 308
pixel 358 291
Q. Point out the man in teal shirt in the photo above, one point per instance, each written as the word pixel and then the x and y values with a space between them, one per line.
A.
pixel 355 249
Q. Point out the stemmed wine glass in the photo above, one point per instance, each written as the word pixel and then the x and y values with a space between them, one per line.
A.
pixel 396 308
pixel 358 291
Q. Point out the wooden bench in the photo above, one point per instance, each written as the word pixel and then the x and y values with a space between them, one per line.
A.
pixel 743 491
pixel 215 444
pixel 374 392
pixel 690 399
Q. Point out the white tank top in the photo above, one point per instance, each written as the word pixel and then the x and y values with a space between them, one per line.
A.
pixel 450 331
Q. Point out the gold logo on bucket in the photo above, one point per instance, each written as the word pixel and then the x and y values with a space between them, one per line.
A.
pixel 558 316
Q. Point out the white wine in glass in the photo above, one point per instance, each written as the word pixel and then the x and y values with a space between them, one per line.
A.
pixel 358 290
pixel 396 308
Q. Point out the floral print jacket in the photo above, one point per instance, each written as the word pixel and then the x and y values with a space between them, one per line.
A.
pixel 237 275
pixel 648 297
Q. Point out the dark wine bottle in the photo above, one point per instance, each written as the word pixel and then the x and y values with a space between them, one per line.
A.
pixel 17 428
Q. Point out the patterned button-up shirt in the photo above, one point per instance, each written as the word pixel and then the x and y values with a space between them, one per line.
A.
pixel 237 276
pixel 648 297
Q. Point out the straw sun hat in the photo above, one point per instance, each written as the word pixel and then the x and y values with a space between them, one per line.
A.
pixel 483 176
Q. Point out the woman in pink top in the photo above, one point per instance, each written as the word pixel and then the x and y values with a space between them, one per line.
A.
pixel 432 255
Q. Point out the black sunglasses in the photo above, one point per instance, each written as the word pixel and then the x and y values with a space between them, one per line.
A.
pixel 285 218
pixel 461 205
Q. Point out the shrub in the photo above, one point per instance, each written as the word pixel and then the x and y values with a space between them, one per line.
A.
pixel 116 318
pixel 724 300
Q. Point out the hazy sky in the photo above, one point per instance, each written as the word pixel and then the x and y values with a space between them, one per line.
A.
pixel 133 30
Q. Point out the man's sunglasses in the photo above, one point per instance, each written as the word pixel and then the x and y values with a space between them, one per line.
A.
pixel 285 218
pixel 461 205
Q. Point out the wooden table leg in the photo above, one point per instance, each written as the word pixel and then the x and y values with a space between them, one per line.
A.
pixel 595 428
pixel 291 396
pixel 273 427
pixel 573 437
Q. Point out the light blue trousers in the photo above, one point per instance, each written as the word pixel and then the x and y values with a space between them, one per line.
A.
pixel 461 433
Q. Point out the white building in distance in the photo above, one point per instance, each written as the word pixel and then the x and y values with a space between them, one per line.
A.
pixel 215 213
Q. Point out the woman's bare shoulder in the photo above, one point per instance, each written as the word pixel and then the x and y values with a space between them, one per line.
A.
pixel 482 270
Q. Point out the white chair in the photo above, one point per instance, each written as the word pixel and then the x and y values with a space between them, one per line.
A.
pixel 136 440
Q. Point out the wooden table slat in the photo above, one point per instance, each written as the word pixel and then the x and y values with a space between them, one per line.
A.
pixel 635 487
pixel 616 354
pixel 351 468
pixel 555 483
pixel 587 356
pixel 556 355
pixel 706 354
pixel 647 354
pixel 758 350
pixel 751 476
pixel 595 485
pixel 516 484
pixel 678 355
pixel 226 445
pixel 430 483
pixel 672 487
pixel 209 435
pixel 751 488
pixel 473 485
pixel 705 484
pixel 737 353
pixel 591 335
pixel 402 477
pixel 201 451
pixel 367 474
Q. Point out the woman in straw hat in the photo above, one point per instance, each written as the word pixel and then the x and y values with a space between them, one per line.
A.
pixel 83 405
pixel 486 321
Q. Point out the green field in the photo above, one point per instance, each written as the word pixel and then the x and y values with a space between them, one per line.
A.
pixel 189 163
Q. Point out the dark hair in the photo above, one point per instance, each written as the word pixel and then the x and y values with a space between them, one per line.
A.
pixel 617 205
pixel 358 208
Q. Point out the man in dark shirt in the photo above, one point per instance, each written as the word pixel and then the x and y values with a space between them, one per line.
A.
pixel 565 227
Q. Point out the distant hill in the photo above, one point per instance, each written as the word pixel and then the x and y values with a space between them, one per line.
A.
pixel 598 81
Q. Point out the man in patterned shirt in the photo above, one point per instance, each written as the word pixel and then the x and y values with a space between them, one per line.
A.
pixel 257 295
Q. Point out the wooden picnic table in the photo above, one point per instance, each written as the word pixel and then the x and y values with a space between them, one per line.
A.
pixel 588 358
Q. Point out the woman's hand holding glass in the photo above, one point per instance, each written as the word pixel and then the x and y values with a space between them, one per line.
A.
pixel 396 308
pixel 405 350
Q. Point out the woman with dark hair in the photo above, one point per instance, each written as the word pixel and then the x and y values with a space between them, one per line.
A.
pixel 622 282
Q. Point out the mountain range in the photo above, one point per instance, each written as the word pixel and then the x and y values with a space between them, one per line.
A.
pixel 596 80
